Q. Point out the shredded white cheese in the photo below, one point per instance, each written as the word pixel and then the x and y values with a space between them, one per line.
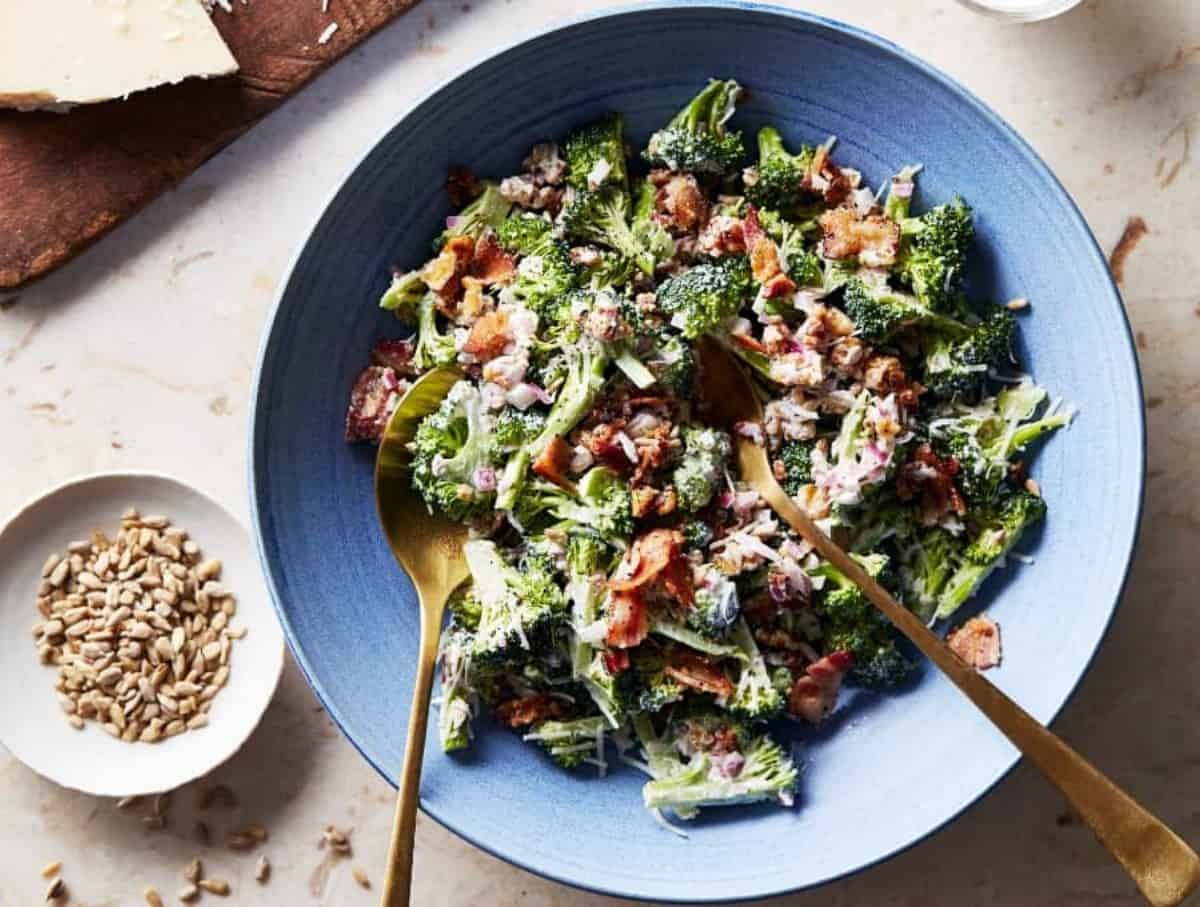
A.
pixel 328 33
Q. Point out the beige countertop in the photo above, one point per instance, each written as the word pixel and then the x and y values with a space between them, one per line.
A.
pixel 140 353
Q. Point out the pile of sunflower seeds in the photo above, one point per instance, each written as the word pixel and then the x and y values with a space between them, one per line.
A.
pixel 138 627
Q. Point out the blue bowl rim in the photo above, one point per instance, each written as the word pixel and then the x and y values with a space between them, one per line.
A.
pixel 1063 197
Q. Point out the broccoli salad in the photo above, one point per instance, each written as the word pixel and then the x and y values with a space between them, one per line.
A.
pixel 628 595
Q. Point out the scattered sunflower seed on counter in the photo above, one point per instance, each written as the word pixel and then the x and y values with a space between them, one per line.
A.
pixel 138 627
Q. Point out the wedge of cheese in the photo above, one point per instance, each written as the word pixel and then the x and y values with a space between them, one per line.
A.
pixel 59 53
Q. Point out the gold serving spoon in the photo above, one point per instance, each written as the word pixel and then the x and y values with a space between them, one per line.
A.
pixel 1162 865
pixel 429 548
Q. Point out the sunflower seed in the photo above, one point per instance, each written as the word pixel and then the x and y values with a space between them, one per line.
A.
pixel 51 869
pixel 55 890
pixel 153 898
pixel 214 886
pixel 188 893
pixel 262 869
pixel 360 876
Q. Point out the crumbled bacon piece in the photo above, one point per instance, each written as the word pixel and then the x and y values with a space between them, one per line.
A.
pixel 683 201
pixel 554 462
pixel 694 670
pixel 885 375
pixel 778 287
pixel 376 392
pixel 601 442
pixel 932 478
pixel 658 557
pixel 764 254
pixel 526 710
pixel 443 274
pixel 814 695
pixel 489 336
pixel 749 342
pixel 873 240
pixel 462 185
pixel 490 263
pixel 396 355
pixel 616 660
pixel 722 235
pixel 651 501
pixel 628 620
pixel 977 642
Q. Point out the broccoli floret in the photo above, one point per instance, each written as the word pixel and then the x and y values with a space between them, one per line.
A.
pixel 464 607
pixel 404 296
pixel 958 368
pixel 933 560
pixel 601 502
pixel 602 216
pixel 995 538
pixel 767 773
pixel 585 366
pixel 523 233
pixel 697 535
pixel 516 427
pixel 545 275
pixel 796 457
pixel 488 210
pixel 696 138
pixel 755 696
pixel 716 606
pixel 655 689
pixel 433 347
pixel 595 154
pixel 878 312
pixel 517 606
pixel 450 445
pixel 701 298
pixel 983 438
pixel 456 708
pixel 933 254
pixel 673 363
pixel 705 457
pixel 572 743
pixel 775 181
pixel 802 265
pixel 851 623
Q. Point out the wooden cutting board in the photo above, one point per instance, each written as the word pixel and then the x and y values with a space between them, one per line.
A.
pixel 67 179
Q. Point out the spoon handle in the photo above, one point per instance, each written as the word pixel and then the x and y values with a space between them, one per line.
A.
pixel 397 884
pixel 1165 869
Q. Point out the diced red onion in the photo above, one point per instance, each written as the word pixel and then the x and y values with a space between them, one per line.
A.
pixel 484 479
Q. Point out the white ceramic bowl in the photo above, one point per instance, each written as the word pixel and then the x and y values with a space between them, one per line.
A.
pixel 33 727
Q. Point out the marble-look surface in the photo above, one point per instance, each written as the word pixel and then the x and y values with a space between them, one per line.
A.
pixel 139 355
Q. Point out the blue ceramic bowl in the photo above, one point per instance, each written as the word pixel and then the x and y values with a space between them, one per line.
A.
pixel 884 772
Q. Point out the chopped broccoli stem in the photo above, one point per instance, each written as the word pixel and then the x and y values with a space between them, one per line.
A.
pixel 433 348
pixel 455 711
